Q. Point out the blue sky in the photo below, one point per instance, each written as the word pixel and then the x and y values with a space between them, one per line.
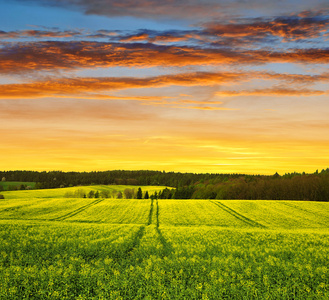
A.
pixel 198 86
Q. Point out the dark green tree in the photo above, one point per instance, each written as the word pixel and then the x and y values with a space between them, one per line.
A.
pixel 146 196
pixel 139 193
pixel 91 194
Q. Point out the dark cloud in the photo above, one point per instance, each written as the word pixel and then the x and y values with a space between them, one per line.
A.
pixel 238 33
pixel 19 34
pixel 154 9
pixel 287 28
pixel 177 9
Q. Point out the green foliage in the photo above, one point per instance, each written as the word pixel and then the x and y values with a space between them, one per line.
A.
pixel 16 185
pixel 129 193
pixel 78 193
pixel 139 193
pixel 293 186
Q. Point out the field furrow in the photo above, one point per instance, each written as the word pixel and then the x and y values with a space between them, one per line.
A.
pixel 237 215
pixel 76 211
pixel 280 214
pixel 196 212
pixel 116 211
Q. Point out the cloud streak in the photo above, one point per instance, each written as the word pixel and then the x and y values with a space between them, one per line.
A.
pixel 89 86
pixel 44 56
pixel 285 27
pixel 81 86
pixel 236 31
pixel 176 9
pixel 39 34
pixel 278 91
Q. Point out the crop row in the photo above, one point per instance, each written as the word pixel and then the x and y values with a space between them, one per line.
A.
pixel 99 261
pixel 226 213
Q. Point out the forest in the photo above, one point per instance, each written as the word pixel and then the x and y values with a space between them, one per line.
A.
pixel 290 186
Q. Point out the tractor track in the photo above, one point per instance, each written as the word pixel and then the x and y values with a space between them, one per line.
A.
pixel 77 211
pixel 237 215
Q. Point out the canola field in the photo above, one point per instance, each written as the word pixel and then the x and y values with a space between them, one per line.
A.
pixel 68 248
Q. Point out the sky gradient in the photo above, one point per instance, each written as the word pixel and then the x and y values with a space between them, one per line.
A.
pixel 191 86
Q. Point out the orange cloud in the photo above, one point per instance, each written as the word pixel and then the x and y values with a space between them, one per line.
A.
pixel 97 87
pixel 39 34
pixel 275 91
pixel 86 87
pixel 287 27
pixel 52 55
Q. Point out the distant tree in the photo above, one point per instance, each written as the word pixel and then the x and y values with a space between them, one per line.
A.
pixel 79 193
pixel 119 195
pixel 97 194
pixel 91 194
pixel 132 181
pixel 3 179
pixel 105 194
pixel 139 193
pixel 129 193
pixel 276 175
pixel 12 188
pixel 146 196
pixel 38 186
pixel 154 196
pixel 2 196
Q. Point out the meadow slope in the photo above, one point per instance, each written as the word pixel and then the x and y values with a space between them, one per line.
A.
pixel 75 248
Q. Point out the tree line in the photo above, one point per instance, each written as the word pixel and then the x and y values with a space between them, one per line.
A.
pixel 290 186
pixel 57 179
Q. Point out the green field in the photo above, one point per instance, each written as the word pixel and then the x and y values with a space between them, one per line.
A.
pixel 7 184
pixel 68 248
pixel 60 193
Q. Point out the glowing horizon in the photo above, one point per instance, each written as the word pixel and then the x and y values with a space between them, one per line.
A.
pixel 215 86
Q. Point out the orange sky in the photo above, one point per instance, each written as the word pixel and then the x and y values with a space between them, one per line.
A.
pixel 233 92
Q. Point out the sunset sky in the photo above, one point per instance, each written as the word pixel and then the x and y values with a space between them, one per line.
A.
pixel 218 86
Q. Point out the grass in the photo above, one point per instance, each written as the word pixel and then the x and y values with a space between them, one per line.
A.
pixel 58 193
pixel 58 248
pixel 7 184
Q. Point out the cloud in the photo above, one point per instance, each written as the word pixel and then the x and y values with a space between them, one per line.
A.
pixel 211 108
pixel 223 33
pixel 162 9
pixel 177 9
pixel 162 37
pixel 285 27
pixel 50 55
pixel 274 91
pixel 39 34
pixel 94 87
pixel 87 87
